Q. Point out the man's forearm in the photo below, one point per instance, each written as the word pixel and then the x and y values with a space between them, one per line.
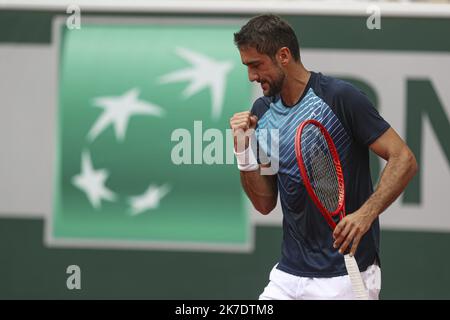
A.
pixel 398 171
pixel 261 189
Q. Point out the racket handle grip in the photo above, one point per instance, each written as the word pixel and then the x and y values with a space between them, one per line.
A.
pixel 358 287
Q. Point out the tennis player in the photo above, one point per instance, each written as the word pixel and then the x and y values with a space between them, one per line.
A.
pixel 312 264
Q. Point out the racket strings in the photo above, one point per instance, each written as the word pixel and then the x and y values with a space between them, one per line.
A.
pixel 320 167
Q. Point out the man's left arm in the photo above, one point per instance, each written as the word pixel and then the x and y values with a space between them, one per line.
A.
pixel 401 166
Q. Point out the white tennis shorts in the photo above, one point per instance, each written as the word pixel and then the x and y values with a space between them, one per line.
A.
pixel 285 286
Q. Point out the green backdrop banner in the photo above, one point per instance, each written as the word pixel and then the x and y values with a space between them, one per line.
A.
pixel 143 113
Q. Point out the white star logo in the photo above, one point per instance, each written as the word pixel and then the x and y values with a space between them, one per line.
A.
pixel 150 199
pixel 118 110
pixel 92 182
pixel 205 72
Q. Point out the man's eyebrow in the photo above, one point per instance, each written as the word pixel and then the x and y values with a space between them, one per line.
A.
pixel 250 62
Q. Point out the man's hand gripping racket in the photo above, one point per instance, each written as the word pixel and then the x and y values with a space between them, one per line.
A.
pixel 321 171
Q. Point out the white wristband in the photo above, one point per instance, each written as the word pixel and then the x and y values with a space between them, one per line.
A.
pixel 246 160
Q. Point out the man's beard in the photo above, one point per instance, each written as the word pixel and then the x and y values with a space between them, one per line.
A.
pixel 276 85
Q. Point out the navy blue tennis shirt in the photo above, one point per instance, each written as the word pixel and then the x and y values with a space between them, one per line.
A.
pixel 353 123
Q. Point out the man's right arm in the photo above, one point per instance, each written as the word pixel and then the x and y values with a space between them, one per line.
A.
pixel 261 189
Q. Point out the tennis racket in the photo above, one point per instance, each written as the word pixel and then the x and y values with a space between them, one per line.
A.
pixel 321 171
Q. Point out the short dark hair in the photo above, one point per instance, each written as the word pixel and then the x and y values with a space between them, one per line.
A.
pixel 267 34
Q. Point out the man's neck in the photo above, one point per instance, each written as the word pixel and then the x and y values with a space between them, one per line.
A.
pixel 295 84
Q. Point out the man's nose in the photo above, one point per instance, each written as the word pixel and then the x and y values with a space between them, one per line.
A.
pixel 252 76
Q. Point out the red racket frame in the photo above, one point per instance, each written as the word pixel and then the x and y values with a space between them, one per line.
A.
pixel 337 164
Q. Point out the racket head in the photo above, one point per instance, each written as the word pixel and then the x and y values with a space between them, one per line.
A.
pixel 320 169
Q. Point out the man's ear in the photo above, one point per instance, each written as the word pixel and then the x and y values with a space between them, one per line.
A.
pixel 284 56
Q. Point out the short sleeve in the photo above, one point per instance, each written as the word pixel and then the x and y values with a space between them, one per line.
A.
pixel 362 119
pixel 259 108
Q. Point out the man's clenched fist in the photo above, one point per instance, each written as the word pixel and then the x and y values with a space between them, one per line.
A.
pixel 243 125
